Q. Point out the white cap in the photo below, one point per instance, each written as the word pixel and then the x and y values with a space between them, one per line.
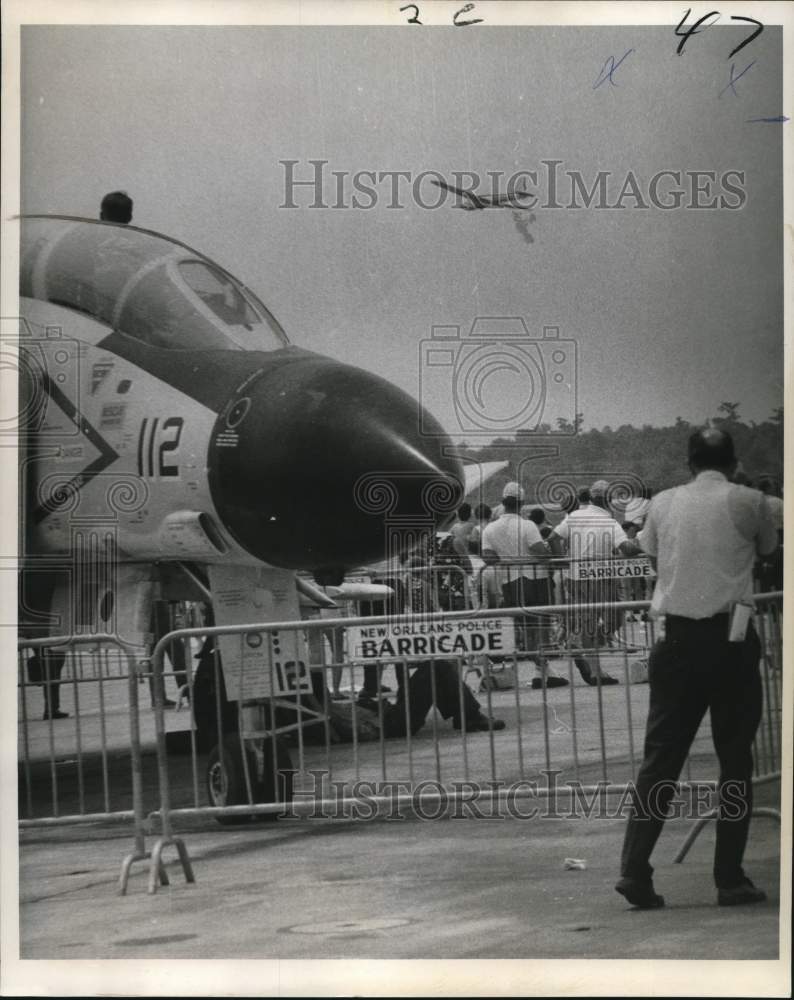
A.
pixel 599 488
pixel 513 490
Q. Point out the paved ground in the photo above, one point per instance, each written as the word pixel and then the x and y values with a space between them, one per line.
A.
pixel 451 888
pixel 470 888
pixel 83 782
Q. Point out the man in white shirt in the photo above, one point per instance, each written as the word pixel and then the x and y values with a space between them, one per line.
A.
pixel 591 536
pixel 704 537
pixel 525 583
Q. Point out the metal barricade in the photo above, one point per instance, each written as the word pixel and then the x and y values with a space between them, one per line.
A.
pixel 64 751
pixel 391 757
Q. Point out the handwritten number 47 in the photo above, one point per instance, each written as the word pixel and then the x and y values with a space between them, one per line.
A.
pixel 700 25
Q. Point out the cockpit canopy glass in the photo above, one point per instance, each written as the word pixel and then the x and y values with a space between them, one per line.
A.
pixel 144 286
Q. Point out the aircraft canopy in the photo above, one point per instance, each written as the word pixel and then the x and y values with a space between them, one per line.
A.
pixel 147 286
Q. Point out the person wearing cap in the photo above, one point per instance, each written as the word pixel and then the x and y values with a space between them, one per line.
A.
pixel 524 584
pixel 590 536
pixel 704 537
pixel 636 509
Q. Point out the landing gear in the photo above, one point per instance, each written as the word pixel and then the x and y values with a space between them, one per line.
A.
pixel 226 777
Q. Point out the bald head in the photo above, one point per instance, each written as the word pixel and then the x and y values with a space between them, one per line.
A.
pixel 116 207
pixel 711 449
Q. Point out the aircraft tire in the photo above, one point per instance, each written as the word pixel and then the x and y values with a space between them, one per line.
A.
pixel 226 779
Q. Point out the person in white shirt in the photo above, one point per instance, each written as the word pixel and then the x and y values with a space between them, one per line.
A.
pixel 705 537
pixel 525 583
pixel 590 536
pixel 482 518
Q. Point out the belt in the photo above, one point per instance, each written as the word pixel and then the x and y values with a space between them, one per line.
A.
pixel 718 619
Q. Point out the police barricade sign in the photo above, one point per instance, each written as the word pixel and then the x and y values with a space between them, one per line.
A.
pixel 612 569
pixel 426 637
pixel 245 594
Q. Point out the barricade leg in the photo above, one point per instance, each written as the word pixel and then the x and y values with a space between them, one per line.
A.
pixel 696 830
pixel 166 838
pixel 139 852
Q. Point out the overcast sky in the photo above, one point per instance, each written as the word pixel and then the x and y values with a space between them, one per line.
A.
pixel 673 311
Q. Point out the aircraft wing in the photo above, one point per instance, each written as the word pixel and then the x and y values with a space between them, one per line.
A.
pixel 311 595
pixel 502 200
pixel 447 187
pixel 477 473
pixel 360 592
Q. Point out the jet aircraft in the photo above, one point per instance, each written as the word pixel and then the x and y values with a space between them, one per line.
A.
pixel 174 445
pixel 471 202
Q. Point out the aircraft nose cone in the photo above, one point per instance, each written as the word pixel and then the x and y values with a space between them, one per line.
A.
pixel 316 463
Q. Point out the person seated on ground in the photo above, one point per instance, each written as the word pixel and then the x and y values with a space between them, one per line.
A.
pixel 426 683
pixel 439 683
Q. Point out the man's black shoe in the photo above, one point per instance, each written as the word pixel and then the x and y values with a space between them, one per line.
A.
pixel 479 724
pixel 55 715
pixel 639 894
pixel 549 682
pixel 739 895
pixel 603 679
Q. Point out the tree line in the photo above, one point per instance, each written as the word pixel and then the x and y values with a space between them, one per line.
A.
pixel 655 456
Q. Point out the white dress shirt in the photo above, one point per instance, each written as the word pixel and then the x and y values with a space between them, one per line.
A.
pixel 705 536
pixel 512 537
pixel 590 533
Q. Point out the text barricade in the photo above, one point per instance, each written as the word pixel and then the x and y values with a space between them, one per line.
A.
pixel 612 569
pixel 426 637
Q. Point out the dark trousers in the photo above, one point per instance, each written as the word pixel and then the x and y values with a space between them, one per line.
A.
pixel 431 682
pixel 692 669
pixel 372 672
pixel 523 592
pixel 45 668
